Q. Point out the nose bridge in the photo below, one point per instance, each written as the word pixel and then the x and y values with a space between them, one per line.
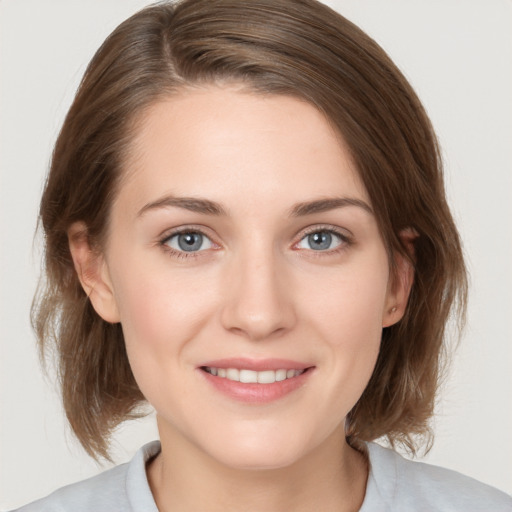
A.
pixel 258 303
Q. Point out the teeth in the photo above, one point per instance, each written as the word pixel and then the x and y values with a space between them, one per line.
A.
pixel 267 377
pixel 280 375
pixel 253 377
pixel 248 376
pixel 232 374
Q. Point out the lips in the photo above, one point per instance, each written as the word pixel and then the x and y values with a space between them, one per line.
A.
pixel 257 364
pixel 256 381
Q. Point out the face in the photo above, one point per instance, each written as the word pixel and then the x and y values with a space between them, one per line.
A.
pixel 248 273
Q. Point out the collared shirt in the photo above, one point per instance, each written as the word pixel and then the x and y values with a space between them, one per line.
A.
pixel 394 484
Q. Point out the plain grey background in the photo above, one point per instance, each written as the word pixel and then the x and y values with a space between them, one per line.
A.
pixel 457 55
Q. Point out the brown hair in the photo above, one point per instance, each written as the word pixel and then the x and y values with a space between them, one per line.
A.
pixel 293 47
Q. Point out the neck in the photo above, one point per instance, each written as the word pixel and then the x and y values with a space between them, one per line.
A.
pixel 330 478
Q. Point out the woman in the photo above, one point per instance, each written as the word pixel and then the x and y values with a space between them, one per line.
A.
pixel 246 226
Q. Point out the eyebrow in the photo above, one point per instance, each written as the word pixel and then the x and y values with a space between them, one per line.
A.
pixel 208 207
pixel 323 205
pixel 193 204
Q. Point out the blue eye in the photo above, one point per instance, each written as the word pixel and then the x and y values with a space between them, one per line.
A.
pixel 321 241
pixel 189 241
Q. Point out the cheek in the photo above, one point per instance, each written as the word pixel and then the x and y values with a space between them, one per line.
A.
pixel 145 314
pixel 348 317
pixel 151 300
pixel 160 314
pixel 351 306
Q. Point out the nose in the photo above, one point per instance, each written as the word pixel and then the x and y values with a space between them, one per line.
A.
pixel 258 303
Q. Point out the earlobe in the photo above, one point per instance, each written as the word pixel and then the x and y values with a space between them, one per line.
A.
pixel 92 272
pixel 401 282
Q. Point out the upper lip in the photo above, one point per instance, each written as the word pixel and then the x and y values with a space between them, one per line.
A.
pixel 257 364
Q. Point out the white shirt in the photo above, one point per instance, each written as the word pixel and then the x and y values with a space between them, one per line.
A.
pixel 394 485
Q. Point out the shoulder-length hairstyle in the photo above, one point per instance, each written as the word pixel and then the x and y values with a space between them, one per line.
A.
pixel 292 47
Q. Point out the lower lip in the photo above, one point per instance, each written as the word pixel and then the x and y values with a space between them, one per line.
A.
pixel 256 393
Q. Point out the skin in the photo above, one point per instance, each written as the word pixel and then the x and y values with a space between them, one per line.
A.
pixel 256 289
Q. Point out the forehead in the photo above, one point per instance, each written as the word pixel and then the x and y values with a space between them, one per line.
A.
pixel 224 142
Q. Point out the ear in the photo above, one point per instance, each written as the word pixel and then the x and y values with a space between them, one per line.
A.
pixel 400 282
pixel 92 272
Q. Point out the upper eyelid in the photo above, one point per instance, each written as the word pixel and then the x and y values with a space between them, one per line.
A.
pixel 169 233
pixel 203 229
pixel 343 232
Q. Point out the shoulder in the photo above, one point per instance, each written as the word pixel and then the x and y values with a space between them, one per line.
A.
pixel 399 484
pixel 122 488
pixel 102 492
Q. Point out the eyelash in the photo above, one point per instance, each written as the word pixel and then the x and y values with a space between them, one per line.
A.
pixel 181 231
pixel 346 241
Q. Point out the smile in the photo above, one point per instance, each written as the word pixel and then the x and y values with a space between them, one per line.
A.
pixel 252 376
pixel 256 381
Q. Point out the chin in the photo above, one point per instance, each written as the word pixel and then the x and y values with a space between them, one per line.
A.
pixel 260 452
pixel 255 460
